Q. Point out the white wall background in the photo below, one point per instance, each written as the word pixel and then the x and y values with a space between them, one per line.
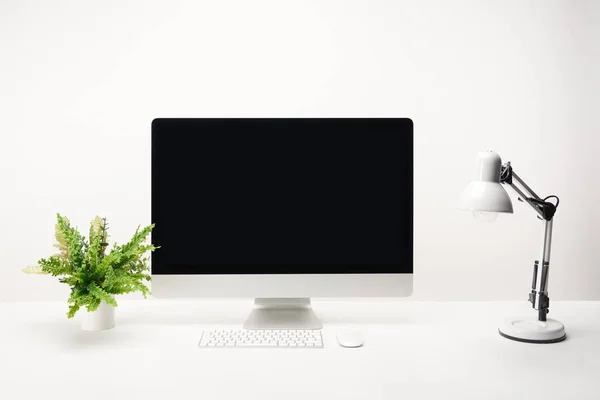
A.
pixel 80 82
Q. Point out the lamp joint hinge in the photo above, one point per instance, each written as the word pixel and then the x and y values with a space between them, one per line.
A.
pixel 546 208
pixel 506 174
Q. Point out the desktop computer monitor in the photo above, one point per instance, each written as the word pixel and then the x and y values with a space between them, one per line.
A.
pixel 281 210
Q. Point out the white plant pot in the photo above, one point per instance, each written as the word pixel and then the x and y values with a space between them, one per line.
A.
pixel 101 319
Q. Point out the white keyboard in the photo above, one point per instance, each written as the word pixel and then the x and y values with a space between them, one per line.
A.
pixel 261 338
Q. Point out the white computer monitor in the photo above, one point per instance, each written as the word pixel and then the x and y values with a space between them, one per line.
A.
pixel 282 210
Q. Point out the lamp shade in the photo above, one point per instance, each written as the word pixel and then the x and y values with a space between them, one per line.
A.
pixel 486 193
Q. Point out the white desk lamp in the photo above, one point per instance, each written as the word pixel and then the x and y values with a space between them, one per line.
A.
pixel 486 194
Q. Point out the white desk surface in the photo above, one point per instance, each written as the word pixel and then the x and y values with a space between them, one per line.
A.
pixel 413 350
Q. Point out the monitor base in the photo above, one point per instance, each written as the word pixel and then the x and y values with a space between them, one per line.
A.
pixel 282 314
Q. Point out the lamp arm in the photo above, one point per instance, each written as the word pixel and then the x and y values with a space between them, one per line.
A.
pixel 542 207
pixel 539 287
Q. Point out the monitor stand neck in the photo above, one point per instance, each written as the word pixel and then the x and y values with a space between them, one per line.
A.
pixel 282 314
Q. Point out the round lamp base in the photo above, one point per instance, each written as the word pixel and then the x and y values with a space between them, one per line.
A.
pixel 533 331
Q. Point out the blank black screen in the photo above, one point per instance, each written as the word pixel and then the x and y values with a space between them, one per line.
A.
pixel 277 196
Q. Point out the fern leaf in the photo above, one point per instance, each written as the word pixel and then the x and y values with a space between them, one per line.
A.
pixel 99 229
pixel 93 304
pixel 54 265
pixel 95 227
pixel 62 243
pixel 138 237
pixel 101 295
pixel 34 269
pixel 94 249
pixel 109 279
pixel 75 243
pixel 73 308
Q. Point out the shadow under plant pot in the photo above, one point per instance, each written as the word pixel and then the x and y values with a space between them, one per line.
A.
pixel 101 319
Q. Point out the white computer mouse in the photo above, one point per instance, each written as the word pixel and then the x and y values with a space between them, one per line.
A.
pixel 348 338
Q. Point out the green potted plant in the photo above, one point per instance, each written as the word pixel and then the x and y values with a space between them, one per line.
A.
pixel 94 273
